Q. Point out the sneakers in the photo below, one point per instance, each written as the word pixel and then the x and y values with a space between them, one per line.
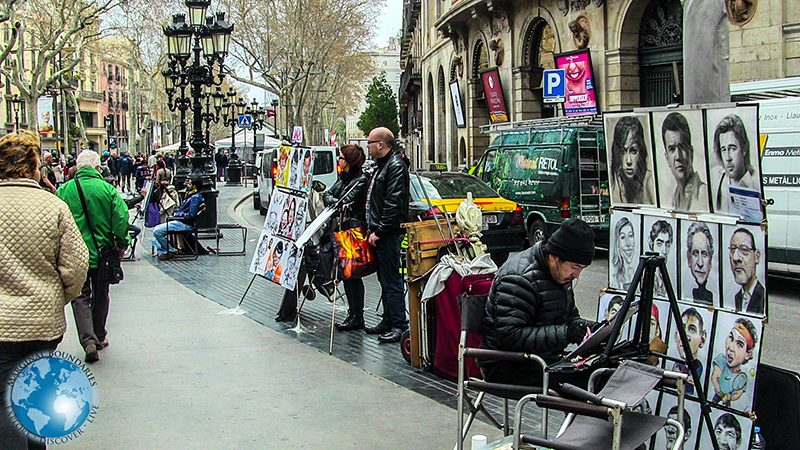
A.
pixel 91 354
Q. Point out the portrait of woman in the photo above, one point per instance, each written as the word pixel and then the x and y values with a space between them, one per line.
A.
pixel 624 249
pixel 733 154
pixel 291 209
pixel 631 161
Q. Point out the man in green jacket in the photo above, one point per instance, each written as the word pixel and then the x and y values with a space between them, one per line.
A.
pixel 109 220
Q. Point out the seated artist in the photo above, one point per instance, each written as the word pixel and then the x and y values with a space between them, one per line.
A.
pixel 186 219
pixel 531 307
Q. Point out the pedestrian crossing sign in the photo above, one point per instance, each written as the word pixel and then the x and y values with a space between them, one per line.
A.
pixel 246 121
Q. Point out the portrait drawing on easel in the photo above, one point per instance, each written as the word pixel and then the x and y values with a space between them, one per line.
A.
pixel 734 361
pixel 661 236
pixel 697 323
pixel 744 269
pixel 624 247
pixel 700 263
pixel 630 160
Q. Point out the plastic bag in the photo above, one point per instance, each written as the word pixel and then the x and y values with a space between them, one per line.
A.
pixel 354 256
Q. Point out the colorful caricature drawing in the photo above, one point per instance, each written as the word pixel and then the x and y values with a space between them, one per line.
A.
pixel 727 377
pixel 696 333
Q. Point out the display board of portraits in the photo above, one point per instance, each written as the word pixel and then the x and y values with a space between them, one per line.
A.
pixel 686 159
pixel 277 257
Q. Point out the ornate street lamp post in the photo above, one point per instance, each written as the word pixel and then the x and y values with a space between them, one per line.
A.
pixel 258 122
pixel 232 109
pixel 196 52
pixel 17 104
pixel 275 117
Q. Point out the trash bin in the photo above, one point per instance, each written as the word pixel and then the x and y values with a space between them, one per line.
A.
pixel 234 173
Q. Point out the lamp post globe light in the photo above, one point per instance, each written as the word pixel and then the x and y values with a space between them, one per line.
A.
pixel 17 104
pixel 196 52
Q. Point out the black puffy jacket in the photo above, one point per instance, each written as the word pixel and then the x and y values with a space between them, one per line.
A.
pixel 389 201
pixel 356 197
pixel 527 311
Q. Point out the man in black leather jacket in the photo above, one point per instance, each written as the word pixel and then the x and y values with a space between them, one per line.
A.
pixel 531 307
pixel 387 209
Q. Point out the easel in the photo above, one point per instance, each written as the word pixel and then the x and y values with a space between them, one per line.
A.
pixel 648 263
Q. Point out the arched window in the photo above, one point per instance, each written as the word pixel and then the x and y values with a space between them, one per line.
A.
pixel 480 59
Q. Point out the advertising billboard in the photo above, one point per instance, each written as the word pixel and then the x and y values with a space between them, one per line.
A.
pixel 580 95
pixel 494 96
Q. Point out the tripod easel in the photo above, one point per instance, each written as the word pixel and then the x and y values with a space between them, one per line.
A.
pixel 645 278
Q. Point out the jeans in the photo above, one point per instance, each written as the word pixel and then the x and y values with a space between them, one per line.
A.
pixel 387 253
pixel 160 235
pixel 90 309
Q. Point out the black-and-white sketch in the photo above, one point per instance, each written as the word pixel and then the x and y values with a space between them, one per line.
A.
pixel 624 247
pixel 665 438
pixel 744 269
pixel 697 322
pixel 733 154
pixel 661 236
pixel 681 160
pixel 699 266
pixel 259 257
pixel 732 373
pixel 731 430
pixel 291 209
pixel 631 159
pixel 293 256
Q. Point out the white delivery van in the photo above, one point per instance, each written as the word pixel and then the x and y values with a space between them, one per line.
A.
pixel 325 170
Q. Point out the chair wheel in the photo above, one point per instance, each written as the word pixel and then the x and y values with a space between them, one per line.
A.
pixel 405 345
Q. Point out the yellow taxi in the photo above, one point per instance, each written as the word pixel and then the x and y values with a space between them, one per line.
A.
pixel 503 226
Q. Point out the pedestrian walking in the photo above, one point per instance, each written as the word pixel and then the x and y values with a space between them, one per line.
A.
pixel 102 217
pixel 222 163
pixel 386 210
pixel 48 175
pixel 44 266
pixel 126 167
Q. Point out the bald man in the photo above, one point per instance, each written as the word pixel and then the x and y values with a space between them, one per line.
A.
pixel 387 210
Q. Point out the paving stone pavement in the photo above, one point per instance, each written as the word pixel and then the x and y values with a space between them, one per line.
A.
pixel 224 279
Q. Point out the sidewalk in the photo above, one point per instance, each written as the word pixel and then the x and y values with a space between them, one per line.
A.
pixel 179 375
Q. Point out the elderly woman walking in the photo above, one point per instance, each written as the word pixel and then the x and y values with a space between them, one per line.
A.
pixel 45 261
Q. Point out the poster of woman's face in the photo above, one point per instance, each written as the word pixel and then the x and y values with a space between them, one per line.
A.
pixel 731 430
pixel 624 248
pixel 681 160
pixel 733 156
pixel 630 159
pixel 665 439
pixel 660 236
pixel 697 323
pixel 744 269
pixel 699 262
pixel 734 361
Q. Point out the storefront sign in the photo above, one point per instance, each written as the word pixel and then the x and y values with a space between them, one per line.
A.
pixel 580 95
pixel 494 96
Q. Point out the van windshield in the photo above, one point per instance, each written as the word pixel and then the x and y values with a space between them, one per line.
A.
pixel 323 162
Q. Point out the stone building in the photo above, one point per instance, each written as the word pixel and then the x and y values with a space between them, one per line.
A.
pixel 636 49
pixel 385 59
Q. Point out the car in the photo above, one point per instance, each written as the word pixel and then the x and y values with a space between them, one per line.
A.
pixel 503 225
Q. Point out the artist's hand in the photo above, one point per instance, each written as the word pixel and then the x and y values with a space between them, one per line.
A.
pixel 577 332
pixel 373 239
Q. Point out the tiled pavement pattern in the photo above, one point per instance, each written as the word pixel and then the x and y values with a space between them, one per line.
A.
pixel 224 279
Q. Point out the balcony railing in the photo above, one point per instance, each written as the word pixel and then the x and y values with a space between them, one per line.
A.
pixel 410 81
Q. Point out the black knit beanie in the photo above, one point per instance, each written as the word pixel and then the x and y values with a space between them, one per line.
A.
pixel 573 241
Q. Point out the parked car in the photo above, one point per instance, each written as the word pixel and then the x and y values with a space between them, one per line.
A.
pixel 503 227
pixel 553 173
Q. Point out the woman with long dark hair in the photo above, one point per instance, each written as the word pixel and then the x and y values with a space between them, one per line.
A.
pixel 631 180
pixel 351 189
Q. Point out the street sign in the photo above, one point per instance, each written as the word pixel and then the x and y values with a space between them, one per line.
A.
pixel 112 142
pixel 554 81
pixel 270 113
pixel 246 121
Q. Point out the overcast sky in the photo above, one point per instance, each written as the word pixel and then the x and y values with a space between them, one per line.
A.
pixel 390 22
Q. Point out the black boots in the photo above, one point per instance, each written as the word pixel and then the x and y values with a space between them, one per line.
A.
pixel 353 322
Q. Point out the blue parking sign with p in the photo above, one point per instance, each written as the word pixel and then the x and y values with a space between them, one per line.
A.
pixel 554 83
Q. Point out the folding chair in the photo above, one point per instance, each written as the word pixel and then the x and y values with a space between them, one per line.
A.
pixel 603 421
pixel 472 304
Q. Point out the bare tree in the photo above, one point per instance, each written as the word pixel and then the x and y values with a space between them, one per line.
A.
pixel 309 53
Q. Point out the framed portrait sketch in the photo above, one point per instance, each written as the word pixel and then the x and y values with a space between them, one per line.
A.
pixel 286 215
pixel 732 431
pixel 681 160
pixel 660 235
pixel 665 439
pixel 698 324
pixel 699 263
pixel 743 269
pixel 608 306
pixel 292 257
pixel 734 360
pixel 624 248
pixel 630 159
pixel 734 164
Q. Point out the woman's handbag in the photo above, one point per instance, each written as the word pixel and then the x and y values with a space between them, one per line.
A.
pixel 355 258
pixel 152 217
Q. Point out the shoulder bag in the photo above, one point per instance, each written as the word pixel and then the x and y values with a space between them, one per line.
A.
pixel 109 267
pixel 354 256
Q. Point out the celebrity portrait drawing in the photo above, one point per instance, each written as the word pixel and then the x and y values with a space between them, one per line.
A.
pixel 744 269
pixel 282 177
pixel 294 172
pixel 631 161
pixel 660 236
pixel 681 161
pixel 665 439
pixel 259 258
pixel 273 268
pixel 292 266
pixel 305 175
pixel 733 155
pixel 624 249
pixel 732 431
pixel 699 272
pixel 733 368
pixel 697 323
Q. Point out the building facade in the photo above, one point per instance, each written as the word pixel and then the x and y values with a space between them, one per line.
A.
pixel 386 59
pixel 636 49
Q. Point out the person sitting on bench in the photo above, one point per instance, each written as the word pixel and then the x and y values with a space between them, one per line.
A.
pixel 186 215
pixel 531 307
